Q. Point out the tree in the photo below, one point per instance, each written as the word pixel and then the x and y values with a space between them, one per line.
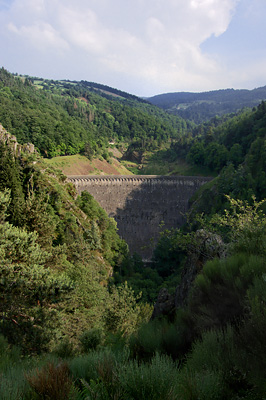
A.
pixel 196 154
pixel 122 310
pixel 216 156
pixel 236 154
pixel 27 286
pixel 10 177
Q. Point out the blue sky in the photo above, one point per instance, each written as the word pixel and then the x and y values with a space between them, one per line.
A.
pixel 144 47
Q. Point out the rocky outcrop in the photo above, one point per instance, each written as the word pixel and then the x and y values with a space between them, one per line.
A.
pixel 165 304
pixel 207 246
pixel 136 156
pixel 11 141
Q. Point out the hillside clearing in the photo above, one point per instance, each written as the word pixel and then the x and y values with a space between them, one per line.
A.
pixel 81 165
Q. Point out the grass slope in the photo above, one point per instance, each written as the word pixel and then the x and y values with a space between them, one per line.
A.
pixel 81 165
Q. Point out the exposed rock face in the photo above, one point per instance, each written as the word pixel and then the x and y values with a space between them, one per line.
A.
pixel 134 156
pixel 11 141
pixel 165 304
pixel 208 246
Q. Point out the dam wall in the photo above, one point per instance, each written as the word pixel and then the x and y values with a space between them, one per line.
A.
pixel 142 206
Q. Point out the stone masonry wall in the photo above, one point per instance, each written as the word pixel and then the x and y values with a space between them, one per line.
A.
pixel 142 205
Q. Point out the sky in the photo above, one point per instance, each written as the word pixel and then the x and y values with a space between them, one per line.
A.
pixel 143 47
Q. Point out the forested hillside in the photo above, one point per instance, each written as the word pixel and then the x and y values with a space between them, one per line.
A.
pixel 72 327
pixel 64 118
pixel 57 252
pixel 233 147
pixel 200 107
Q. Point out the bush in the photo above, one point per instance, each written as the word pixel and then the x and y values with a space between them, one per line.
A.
pixel 214 369
pixel 65 349
pixel 161 336
pixel 156 380
pixel 90 340
pixel 219 293
pixel 146 341
pixel 213 351
pixel 251 340
pixel 84 367
pixel 52 382
pixel 97 374
pixel 200 386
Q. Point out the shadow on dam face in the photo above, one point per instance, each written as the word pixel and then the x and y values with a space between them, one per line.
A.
pixel 142 206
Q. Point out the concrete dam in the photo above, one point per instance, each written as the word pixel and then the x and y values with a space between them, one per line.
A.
pixel 142 206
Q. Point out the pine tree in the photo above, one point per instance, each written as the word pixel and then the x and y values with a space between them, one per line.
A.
pixel 28 287
pixel 10 178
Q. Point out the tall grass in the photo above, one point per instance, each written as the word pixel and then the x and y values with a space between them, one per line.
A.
pixel 155 380
pixel 13 385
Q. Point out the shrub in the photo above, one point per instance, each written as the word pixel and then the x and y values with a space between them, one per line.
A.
pixel 91 339
pixel 213 351
pixel 250 338
pixel 84 367
pixel 219 292
pixel 65 349
pixel 205 385
pixel 161 336
pixel 96 374
pixel 115 341
pixel 52 382
pixel 146 341
pixel 154 380
pixel 215 359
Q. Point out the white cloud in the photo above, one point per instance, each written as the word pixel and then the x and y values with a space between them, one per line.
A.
pixel 83 29
pixel 41 34
pixel 151 43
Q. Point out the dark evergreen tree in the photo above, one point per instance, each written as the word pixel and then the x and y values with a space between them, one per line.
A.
pixel 10 177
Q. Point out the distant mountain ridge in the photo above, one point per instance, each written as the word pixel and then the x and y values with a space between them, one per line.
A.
pixel 200 107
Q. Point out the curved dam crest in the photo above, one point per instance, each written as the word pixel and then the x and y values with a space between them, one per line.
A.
pixel 142 205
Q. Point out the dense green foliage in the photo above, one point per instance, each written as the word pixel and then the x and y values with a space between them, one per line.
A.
pixel 57 253
pixel 162 272
pixel 214 349
pixel 63 117
pixel 234 148
pixel 226 306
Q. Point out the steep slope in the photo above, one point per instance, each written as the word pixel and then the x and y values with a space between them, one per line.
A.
pixel 57 253
pixel 66 118
pixel 237 144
